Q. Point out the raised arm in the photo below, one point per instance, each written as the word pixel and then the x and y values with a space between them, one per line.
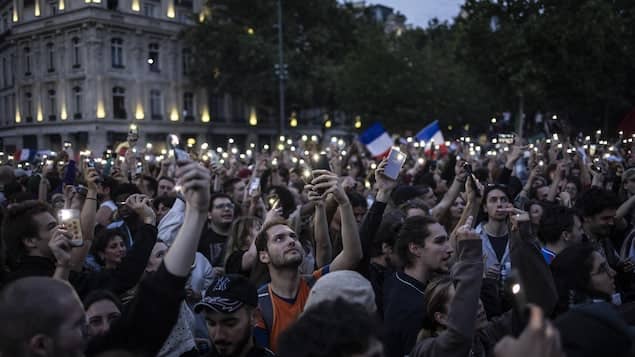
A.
pixel 195 181
pixel 459 181
pixel 87 220
pixel 323 248
pixel 351 253
pixel 373 218
pixel 626 207
pixel 154 311
pixel 471 207
pixel 457 338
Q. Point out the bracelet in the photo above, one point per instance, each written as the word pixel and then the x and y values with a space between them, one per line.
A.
pixel 91 198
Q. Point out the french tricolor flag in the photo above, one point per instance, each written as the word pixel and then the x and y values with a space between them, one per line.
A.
pixel 24 155
pixel 431 133
pixel 376 140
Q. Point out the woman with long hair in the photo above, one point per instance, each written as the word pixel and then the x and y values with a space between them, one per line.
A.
pixel 240 254
pixel 582 275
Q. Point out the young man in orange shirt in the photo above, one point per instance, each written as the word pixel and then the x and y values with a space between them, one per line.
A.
pixel 283 299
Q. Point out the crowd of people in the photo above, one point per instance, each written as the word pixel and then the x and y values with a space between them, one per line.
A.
pixel 476 248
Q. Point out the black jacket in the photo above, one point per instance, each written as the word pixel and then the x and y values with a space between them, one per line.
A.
pixel 375 273
pixel 148 320
pixel 118 280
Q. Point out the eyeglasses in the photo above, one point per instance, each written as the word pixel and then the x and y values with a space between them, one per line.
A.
pixel 224 206
pixel 602 269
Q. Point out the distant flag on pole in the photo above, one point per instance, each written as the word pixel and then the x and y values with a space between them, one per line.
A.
pixel 432 133
pixel 376 140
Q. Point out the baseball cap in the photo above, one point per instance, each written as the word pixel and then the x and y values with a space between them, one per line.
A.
pixel 227 294
pixel 343 284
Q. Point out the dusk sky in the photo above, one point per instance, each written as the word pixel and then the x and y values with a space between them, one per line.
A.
pixel 419 12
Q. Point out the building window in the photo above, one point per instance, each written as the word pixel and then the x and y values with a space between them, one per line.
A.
pixel 188 106
pixel 76 53
pixel 52 105
pixel 149 9
pixel 217 105
pixel 155 105
pixel 28 107
pixel 116 51
pixel 53 8
pixel 12 69
pixel 27 61
pixel 7 109
pixel 119 102
pixel 187 60
pixel 50 51
pixel 112 4
pixel 77 102
pixel 153 57
pixel 5 21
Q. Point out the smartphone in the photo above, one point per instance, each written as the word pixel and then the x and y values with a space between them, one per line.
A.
pixel 515 290
pixel 273 200
pixel 81 190
pixel 507 138
pixel 139 169
pixel 90 163
pixel 396 159
pixel 180 154
pixel 254 185
pixel 468 168
pixel 323 162
pixel 69 218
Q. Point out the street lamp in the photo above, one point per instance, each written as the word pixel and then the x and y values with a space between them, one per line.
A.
pixel 293 122
pixel 358 122
pixel 253 119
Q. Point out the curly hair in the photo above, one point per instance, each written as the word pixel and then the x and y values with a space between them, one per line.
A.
pixel 19 224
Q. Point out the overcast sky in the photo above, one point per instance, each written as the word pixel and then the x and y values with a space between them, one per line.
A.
pixel 419 12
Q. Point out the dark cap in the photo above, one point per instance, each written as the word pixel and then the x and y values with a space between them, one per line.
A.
pixel 228 293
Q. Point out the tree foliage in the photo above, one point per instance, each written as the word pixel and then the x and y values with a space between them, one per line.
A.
pixel 566 56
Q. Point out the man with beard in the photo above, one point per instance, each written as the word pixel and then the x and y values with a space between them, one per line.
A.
pixel 214 238
pixel 283 299
pixel 230 308
pixel 424 249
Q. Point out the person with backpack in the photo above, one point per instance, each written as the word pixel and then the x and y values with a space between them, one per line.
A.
pixel 283 299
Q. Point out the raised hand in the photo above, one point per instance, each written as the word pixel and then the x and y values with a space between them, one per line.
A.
pixel 141 205
pixel 60 245
pixel 328 183
pixel 384 183
pixel 195 181
pixel 91 177
pixel 69 194
pixel 465 232
pixel 540 338
pixel 274 213
pixel 515 154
